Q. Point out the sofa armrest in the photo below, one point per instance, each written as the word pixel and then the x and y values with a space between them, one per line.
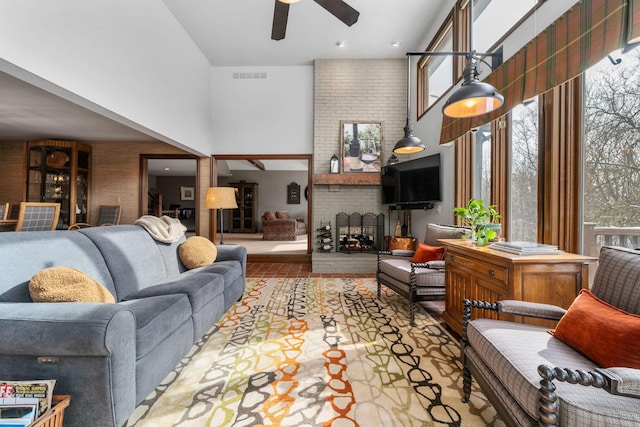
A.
pixel 66 329
pixel 531 309
pixel 231 253
pixel 619 381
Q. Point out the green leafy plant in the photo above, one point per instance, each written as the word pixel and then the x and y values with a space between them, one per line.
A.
pixel 480 219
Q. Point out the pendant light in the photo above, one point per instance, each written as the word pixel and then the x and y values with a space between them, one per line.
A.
pixel 473 98
pixel 408 144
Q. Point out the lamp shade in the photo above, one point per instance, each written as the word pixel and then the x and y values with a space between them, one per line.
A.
pixel 408 144
pixel 221 198
pixel 473 99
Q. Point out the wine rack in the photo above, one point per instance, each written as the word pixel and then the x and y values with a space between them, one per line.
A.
pixel 324 237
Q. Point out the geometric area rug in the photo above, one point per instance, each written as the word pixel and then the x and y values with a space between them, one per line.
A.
pixel 318 352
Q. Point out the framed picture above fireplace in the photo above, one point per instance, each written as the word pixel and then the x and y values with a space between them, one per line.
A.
pixel 361 146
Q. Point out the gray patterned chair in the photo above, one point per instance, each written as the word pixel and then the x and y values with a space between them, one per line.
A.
pixel 107 215
pixel 37 216
pixel 414 280
pixel 508 359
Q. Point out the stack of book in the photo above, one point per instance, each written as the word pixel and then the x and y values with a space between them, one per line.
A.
pixel 526 248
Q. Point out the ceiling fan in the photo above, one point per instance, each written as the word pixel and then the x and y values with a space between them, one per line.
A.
pixel 337 8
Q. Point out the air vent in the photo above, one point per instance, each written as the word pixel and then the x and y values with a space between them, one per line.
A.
pixel 249 75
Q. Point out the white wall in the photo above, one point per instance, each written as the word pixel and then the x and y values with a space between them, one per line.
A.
pixel 130 61
pixel 262 110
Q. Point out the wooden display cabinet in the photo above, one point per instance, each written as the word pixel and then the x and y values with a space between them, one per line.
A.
pixel 481 273
pixel 60 172
pixel 244 219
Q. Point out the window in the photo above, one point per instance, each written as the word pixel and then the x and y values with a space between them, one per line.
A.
pixel 482 162
pixel 611 159
pixel 523 213
pixel 435 73
pixel 495 18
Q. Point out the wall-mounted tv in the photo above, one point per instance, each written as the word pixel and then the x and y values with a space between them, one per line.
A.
pixel 412 185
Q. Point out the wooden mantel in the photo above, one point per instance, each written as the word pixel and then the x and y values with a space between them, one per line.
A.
pixel 346 179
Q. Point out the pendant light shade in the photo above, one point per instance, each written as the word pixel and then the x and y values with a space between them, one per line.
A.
pixel 473 98
pixel 408 144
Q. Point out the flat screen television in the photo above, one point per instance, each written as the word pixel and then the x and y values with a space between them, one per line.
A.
pixel 412 184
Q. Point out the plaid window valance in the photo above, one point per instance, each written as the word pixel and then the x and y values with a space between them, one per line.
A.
pixel 580 38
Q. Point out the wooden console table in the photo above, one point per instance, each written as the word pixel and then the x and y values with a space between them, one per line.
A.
pixel 480 273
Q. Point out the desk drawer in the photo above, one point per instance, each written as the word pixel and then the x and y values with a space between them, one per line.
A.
pixel 476 267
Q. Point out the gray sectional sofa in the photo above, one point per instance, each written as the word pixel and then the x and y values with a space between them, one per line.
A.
pixel 108 357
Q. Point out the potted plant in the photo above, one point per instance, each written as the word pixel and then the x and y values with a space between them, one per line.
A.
pixel 483 221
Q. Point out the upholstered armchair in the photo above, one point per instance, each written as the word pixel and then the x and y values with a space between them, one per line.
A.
pixel 585 372
pixel 417 275
pixel 280 226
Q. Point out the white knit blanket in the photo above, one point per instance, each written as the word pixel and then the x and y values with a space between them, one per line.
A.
pixel 164 229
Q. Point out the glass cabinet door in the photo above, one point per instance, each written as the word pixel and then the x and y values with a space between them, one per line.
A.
pixel 58 172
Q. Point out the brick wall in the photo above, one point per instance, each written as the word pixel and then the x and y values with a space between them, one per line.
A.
pixel 353 90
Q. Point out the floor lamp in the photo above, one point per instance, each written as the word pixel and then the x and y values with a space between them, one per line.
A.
pixel 221 198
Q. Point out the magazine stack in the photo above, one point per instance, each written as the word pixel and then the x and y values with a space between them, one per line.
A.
pixel 526 248
pixel 22 402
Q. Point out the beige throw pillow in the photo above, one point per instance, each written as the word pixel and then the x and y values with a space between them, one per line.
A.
pixel 65 284
pixel 197 251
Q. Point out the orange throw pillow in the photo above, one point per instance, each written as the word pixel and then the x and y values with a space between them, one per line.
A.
pixel 604 333
pixel 426 253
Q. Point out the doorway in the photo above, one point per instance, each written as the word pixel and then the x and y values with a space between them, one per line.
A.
pixel 169 186
pixel 273 174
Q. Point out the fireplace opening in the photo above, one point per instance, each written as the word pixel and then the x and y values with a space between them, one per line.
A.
pixel 357 233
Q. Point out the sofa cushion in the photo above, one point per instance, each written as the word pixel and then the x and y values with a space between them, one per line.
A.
pixel 197 251
pixel 426 253
pixel 604 333
pixel 200 288
pixel 282 215
pixel 64 284
pixel 133 258
pixel 514 351
pixel 269 216
pixel 157 317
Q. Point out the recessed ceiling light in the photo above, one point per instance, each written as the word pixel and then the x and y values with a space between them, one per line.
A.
pixel 395 43
pixel 167 169
pixel 341 43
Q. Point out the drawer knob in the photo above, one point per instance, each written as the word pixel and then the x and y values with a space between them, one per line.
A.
pixel 492 272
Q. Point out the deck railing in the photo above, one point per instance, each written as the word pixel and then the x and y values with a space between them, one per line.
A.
pixel 595 237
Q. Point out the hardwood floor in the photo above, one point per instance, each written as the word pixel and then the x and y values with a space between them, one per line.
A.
pixel 291 270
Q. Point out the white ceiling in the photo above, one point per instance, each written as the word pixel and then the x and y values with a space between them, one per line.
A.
pixel 231 33
pixel 238 32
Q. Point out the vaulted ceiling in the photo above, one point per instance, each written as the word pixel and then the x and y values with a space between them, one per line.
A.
pixel 233 33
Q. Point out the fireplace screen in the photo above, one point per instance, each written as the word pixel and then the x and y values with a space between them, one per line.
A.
pixel 359 233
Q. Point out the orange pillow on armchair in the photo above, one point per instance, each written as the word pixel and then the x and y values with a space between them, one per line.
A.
pixel 426 253
pixel 604 333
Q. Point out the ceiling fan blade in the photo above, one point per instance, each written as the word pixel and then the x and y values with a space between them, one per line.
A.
pixel 280 16
pixel 340 10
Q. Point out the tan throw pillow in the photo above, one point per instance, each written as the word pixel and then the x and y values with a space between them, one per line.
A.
pixel 197 251
pixel 269 216
pixel 65 284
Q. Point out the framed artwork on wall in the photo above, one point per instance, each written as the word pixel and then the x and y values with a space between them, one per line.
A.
pixel 187 193
pixel 361 144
